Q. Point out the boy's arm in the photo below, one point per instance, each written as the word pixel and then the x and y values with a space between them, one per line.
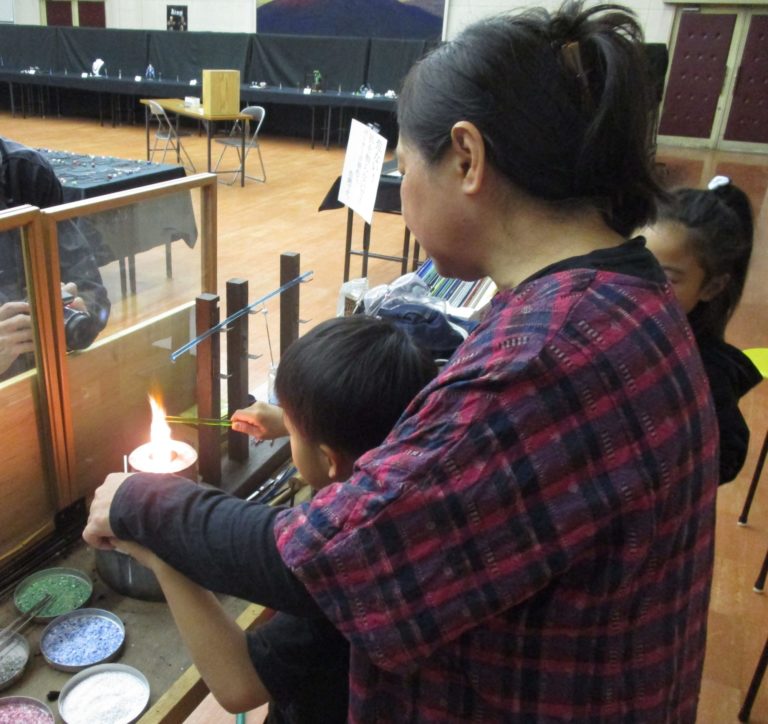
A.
pixel 218 646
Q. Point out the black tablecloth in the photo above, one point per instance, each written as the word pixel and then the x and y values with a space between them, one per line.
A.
pixel 124 232
pixel 85 176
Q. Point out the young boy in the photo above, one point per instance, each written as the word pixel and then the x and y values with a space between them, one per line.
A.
pixel 341 387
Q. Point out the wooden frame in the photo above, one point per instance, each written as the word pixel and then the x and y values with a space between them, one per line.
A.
pixel 76 482
pixel 44 397
pixel 28 510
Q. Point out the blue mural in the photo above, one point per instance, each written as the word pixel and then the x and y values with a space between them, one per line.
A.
pixel 365 18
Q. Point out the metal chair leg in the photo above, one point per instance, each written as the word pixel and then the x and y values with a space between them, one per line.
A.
pixel 754 685
pixel 759 586
pixel 755 480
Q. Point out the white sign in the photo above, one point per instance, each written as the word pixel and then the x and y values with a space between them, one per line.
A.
pixel 362 169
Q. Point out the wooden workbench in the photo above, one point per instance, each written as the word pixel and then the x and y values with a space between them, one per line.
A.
pixel 152 645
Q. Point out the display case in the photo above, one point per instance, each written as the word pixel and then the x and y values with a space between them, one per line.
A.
pixel 80 406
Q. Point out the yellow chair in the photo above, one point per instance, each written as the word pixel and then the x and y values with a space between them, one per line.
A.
pixel 759 357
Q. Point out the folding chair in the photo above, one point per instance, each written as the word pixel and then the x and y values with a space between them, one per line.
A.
pixel 234 140
pixel 762 662
pixel 759 356
pixel 166 136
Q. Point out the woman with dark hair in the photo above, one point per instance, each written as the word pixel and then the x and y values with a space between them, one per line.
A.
pixel 534 539
pixel 703 241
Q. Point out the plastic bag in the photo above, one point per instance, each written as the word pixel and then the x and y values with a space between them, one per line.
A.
pixel 408 303
pixel 350 294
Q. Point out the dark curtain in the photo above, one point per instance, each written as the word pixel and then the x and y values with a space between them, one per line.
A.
pixel 28 45
pixel 291 61
pixel 186 55
pixel 121 50
pixel 390 60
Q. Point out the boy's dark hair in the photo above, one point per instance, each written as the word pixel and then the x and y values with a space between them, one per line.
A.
pixel 561 100
pixel 720 231
pixel 347 381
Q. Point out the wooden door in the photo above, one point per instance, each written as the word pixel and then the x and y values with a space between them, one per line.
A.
pixel 697 74
pixel 748 116
pixel 59 12
pixel 92 14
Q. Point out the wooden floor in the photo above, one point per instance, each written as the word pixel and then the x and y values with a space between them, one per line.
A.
pixel 258 222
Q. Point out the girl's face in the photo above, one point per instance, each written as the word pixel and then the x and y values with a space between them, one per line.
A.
pixel 668 240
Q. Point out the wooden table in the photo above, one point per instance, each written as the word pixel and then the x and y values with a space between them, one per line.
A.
pixel 152 644
pixel 177 106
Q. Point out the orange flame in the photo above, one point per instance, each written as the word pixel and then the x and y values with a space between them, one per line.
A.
pixel 161 450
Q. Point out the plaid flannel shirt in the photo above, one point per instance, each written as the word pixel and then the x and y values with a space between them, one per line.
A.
pixel 534 540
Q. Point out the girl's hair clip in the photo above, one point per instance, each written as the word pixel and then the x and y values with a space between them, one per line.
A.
pixel 717 182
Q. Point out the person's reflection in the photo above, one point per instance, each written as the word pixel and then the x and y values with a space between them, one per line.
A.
pixel 26 177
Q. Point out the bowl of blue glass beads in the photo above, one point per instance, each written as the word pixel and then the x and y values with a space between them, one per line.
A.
pixel 82 638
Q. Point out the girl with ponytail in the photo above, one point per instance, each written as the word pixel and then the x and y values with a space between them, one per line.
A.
pixel 703 240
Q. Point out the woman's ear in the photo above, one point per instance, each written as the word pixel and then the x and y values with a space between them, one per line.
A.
pixel 714 287
pixel 468 146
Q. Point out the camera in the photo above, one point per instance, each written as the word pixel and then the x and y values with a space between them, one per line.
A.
pixel 79 327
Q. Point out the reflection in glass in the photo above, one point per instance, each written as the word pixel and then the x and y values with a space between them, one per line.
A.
pixel 26 498
pixel 147 256
pixel 84 296
pixel 16 331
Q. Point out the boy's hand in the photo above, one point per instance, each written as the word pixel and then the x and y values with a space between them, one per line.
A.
pixel 261 420
pixel 138 552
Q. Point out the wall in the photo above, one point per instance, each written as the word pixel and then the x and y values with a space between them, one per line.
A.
pixel 26 12
pixel 240 16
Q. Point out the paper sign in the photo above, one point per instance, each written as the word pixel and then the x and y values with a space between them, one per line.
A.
pixel 362 169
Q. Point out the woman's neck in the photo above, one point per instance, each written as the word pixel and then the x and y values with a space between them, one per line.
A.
pixel 533 236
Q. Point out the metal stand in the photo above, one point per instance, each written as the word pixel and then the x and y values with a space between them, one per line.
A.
pixel 228 461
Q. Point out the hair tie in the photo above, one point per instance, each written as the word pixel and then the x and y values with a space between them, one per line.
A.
pixel 717 182
pixel 571 54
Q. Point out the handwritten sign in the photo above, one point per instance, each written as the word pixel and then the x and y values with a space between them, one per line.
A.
pixel 362 168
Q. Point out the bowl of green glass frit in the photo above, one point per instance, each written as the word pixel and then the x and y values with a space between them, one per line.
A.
pixel 68 588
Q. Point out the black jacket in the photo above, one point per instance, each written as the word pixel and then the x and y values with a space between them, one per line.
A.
pixel 731 375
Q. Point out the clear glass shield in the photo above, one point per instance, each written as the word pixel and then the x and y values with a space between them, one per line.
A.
pixel 26 492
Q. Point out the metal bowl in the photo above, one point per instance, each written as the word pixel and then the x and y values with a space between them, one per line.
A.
pixel 26 703
pixel 104 693
pixel 82 638
pixel 73 588
pixel 14 656
pixel 127 576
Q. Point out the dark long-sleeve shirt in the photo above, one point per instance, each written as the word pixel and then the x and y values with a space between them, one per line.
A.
pixel 228 546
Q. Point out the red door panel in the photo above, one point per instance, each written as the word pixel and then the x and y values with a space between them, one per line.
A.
pixel 696 74
pixel 59 12
pixel 748 117
pixel 92 15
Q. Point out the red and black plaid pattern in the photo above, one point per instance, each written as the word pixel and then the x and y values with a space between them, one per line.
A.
pixel 534 540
